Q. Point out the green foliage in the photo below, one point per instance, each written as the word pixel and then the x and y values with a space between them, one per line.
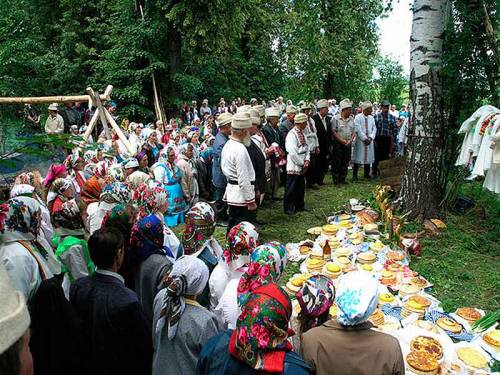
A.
pixel 391 83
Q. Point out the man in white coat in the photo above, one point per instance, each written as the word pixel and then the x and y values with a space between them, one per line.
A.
pixel 297 163
pixel 55 122
pixel 366 130
pixel 237 167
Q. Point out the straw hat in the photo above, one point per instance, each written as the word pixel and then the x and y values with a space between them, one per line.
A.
pixel 365 105
pixel 261 109
pixel 53 107
pixel 291 110
pixel 300 118
pixel 322 103
pixel 224 119
pixel 272 112
pixel 255 116
pixel 346 103
pixel 14 315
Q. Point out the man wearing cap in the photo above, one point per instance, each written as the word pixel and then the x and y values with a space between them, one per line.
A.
pixel 205 109
pixel 387 136
pixel 296 166
pixel 366 130
pixel 272 134
pixel 322 121
pixel 218 179
pixel 237 167
pixel 343 134
pixel 313 142
pixel 55 122
pixel 287 124
pixel 15 354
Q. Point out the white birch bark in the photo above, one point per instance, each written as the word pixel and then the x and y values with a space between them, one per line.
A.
pixel 421 188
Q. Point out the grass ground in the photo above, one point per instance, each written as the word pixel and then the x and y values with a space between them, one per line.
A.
pixel 463 263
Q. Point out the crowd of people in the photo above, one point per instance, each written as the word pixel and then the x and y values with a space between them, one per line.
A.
pixel 110 288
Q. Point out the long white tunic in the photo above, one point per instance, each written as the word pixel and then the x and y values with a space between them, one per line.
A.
pixel 364 127
pixel 237 167
pixel 298 152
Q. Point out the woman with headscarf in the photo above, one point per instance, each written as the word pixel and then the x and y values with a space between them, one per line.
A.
pixel 198 241
pixel 188 178
pixel 376 352
pixel 54 172
pixel 204 173
pixel 168 174
pixel 122 217
pixel 61 190
pixel 116 173
pixel 181 326
pixel 259 343
pixel 267 263
pixel 315 299
pixel 26 261
pixel 134 137
pixel 143 160
pixel 153 200
pixel 151 260
pixel 74 164
pixel 151 145
pixel 242 239
pixel 111 195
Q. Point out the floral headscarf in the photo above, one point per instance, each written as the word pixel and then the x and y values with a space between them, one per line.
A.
pixel 136 179
pixel 147 238
pixel 357 297
pixel 59 186
pixel 55 171
pixel 260 337
pixel 316 297
pixel 189 276
pixel 91 190
pixel 146 133
pixel 101 169
pixel 21 189
pixel 200 225
pixel 267 263
pixel 150 199
pixel 116 192
pixel 28 178
pixel 68 217
pixel 20 219
pixel 241 241
pixel 119 218
pixel 115 174
pixel 90 156
pixel 72 160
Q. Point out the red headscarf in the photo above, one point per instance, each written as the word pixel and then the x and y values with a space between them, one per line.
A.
pixel 55 171
pixel 91 190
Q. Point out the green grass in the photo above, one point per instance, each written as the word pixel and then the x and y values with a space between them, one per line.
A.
pixel 463 263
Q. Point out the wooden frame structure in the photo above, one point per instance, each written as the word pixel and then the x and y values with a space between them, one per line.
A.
pixel 94 98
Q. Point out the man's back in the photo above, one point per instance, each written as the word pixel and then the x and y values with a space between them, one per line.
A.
pixel 116 332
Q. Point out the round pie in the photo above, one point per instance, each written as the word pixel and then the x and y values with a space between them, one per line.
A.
pixel 367 257
pixel 469 313
pixel 377 246
pixel 422 364
pixel 386 298
pixel 332 270
pixel 304 249
pixel 367 267
pixel 420 281
pixel 449 325
pixel 427 345
pixel 472 357
pixel 316 231
pixel 428 326
pixel 493 338
pixel 420 300
pixel 395 255
pixel 330 229
pixel 408 289
pixel 342 252
pixel 343 260
pixel 315 264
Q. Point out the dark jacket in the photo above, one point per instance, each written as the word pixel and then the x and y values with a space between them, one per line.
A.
pixel 259 165
pixel 215 359
pixel 284 128
pixel 324 136
pixel 204 178
pixel 116 333
pixel 218 178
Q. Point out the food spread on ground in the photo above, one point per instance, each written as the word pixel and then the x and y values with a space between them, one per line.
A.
pixel 432 341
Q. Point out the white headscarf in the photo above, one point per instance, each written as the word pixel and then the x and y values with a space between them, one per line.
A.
pixel 189 276
pixel 21 189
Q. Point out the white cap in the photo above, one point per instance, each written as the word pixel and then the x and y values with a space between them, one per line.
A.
pixel 224 119
pixel 255 116
pixel 365 105
pixel 291 109
pixel 241 120
pixel 14 315
pixel 272 112
pixel 243 108
pixel 346 103
pixel 53 107
pixel 261 109
pixel 322 103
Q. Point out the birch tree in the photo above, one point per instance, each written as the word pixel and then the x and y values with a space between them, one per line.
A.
pixel 422 185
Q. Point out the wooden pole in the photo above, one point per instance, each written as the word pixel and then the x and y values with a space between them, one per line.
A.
pixel 92 123
pixel 102 116
pixel 119 132
pixel 54 99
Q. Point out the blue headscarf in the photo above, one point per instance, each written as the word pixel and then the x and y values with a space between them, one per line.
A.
pixel 147 238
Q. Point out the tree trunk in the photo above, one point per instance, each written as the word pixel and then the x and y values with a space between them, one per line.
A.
pixel 422 185
pixel 174 59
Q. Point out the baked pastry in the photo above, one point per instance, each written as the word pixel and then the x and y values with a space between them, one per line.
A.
pixel 343 261
pixel 315 264
pixel 428 326
pixel 408 289
pixel 315 231
pixel 449 325
pixel 377 318
pixel 332 270
pixel 377 246
pixel 472 357
pixel 330 229
pixel 394 267
pixel 304 249
pixel 333 311
pixel 427 345
pixel 342 252
pixel 422 364
pixel 388 277
pixel 395 255
pixel 345 217
pixel 367 267
pixel 370 228
pixel 386 298
pixel 294 284
pixel 367 257
pixel 420 300
pixel 412 307
pixel 492 338
pixel 469 313
pixel 419 280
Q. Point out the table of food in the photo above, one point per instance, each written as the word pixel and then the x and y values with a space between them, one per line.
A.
pixel 464 341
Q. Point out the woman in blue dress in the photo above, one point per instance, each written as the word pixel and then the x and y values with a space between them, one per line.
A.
pixel 169 175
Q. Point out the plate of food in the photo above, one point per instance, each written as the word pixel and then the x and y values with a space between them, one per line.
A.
pixel 315 231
